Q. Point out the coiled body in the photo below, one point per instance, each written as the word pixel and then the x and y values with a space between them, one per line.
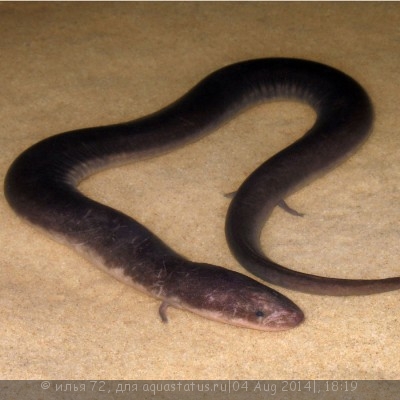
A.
pixel 41 187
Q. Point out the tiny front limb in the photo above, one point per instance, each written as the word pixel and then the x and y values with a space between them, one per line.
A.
pixel 163 311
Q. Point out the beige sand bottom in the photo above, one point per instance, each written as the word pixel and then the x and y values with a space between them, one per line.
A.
pixel 71 65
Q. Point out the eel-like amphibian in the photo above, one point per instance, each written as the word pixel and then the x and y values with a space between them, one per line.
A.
pixel 41 186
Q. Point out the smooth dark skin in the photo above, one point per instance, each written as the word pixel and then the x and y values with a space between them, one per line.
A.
pixel 41 187
pixel 344 120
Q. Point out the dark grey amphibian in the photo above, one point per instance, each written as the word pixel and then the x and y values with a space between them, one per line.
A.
pixel 41 186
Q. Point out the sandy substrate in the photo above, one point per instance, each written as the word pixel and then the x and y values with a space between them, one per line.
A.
pixel 72 65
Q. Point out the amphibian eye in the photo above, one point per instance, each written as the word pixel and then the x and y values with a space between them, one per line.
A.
pixel 260 313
